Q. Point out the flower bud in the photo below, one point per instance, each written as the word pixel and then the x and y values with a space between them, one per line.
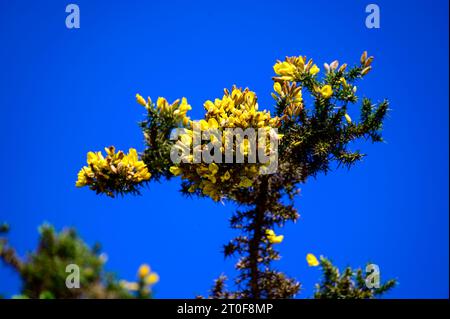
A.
pixel 363 57
pixel 366 70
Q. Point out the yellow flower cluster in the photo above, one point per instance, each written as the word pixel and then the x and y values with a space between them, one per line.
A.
pixel 273 238
pixel 236 109
pixel 146 277
pixel 145 274
pixel 293 67
pixel 292 96
pixel 177 109
pixel 115 172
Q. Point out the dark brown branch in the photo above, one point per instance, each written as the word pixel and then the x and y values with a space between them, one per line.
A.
pixel 255 242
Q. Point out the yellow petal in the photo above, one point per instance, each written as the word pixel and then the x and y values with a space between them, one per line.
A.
pixel 175 170
pixel 276 239
pixel 144 270
pixel 245 182
pixel 209 106
pixel 270 232
pixel 312 260
pixel 152 279
pixel 314 70
pixel 326 91
pixel 212 123
pixel 203 125
pixel 213 168
pixel 140 100
pixel 277 87
pixel 132 155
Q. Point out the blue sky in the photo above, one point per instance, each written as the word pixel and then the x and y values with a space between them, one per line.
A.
pixel 65 92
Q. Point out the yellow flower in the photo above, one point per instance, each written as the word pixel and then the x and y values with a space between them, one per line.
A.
pixel 273 238
pixel 152 278
pixel 143 271
pixel 209 106
pixel 212 123
pixel 326 91
pixel 245 182
pixel 343 82
pixel 276 239
pixel 314 70
pixel 213 168
pixel 132 155
pixel 225 176
pixel 277 87
pixel 204 125
pixel 284 68
pixel 236 109
pixel 162 104
pixel 82 180
pixel 270 232
pixel 175 170
pixel 140 100
pixel 184 106
pixel 312 260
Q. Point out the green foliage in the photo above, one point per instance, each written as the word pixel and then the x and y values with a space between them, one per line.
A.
pixel 349 284
pixel 43 272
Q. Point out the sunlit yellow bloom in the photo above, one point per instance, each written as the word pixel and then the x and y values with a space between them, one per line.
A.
pixel 343 82
pixel 326 91
pixel 245 182
pixel 312 260
pixel 117 172
pixel 162 104
pixel 152 278
pixel 209 106
pixel 277 87
pixel 184 106
pixel 226 176
pixel 140 100
pixel 82 177
pixel 236 109
pixel 203 125
pixel 273 238
pixel 270 232
pixel 314 70
pixel 284 68
pixel 175 170
pixel 143 270
pixel 212 123
pixel 213 168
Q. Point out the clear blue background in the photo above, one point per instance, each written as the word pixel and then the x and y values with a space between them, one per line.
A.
pixel 65 92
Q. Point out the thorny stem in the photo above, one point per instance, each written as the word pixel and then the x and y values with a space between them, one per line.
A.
pixel 254 245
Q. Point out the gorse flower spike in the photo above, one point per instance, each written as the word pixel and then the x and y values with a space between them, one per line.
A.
pixel 236 109
pixel 115 173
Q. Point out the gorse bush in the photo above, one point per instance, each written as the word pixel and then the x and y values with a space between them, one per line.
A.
pixel 308 132
pixel 45 271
